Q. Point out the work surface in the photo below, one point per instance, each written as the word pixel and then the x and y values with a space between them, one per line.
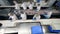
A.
pixel 55 23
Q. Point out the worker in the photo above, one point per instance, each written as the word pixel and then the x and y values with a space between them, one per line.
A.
pixel 23 15
pixel 17 10
pixel 38 7
pixel 12 16
pixel 30 6
pixel 36 16
pixel 16 5
pixel 47 14
pixel 24 5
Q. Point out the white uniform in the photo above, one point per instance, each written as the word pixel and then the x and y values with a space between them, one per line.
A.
pixel 38 8
pixel 24 6
pixel 17 6
pixel 48 14
pixel 31 6
pixel 23 16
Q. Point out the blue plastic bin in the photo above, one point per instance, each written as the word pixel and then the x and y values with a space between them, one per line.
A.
pixel 53 31
pixel 36 30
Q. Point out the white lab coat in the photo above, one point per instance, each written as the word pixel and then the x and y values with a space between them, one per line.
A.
pixel 48 14
pixel 31 6
pixel 38 8
pixel 24 6
pixel 17 6
pixel 23 16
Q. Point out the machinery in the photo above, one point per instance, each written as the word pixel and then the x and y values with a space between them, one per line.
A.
pixel 17 22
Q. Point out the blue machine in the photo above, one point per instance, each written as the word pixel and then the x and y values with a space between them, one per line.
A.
pixel 36 30
pixel 53 31
pixel 38 1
